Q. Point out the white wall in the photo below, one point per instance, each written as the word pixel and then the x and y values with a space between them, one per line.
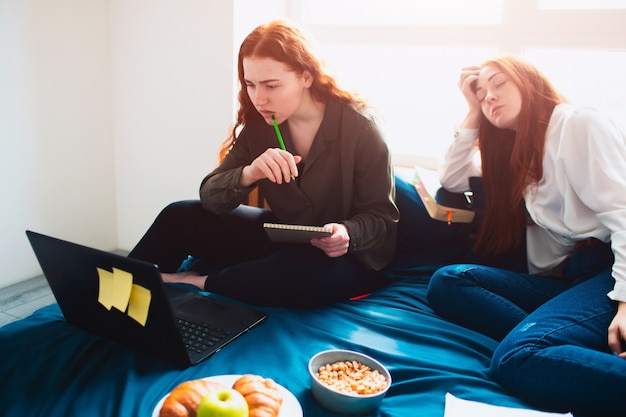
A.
pixel 109 109
pixel 172 102
pixel 174 80
pixel 56 152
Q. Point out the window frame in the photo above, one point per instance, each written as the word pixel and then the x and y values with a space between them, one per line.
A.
pixel 523 25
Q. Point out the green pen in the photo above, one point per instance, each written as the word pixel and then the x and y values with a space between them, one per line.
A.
pixel 279 136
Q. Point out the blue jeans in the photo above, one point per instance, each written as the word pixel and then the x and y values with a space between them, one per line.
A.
pixel 553 351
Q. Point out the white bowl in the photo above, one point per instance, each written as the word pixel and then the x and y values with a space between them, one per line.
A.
pixel 340 402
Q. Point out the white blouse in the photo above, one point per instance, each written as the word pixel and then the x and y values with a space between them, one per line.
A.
pixel 582 193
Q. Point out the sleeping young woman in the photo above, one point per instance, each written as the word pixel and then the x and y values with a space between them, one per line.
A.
pixel 556 172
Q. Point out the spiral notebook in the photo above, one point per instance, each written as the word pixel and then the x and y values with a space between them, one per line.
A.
pixel 294 233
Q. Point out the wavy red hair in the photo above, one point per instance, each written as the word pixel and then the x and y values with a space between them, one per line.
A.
pixel 512 161
pixel 284 43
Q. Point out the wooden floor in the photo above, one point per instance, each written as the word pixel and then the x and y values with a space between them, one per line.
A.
pixel 20 300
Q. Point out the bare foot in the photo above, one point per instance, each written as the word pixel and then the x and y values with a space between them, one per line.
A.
pixel 189 277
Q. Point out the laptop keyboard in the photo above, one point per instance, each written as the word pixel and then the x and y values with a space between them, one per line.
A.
pixel 199 337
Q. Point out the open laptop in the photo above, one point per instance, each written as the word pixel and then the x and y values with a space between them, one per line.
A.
pixel 125 300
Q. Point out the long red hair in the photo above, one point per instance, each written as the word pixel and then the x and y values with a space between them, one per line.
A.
pixel 284 43
pixel 512 161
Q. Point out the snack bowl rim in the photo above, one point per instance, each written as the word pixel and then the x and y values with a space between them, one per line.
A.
pixel 340 401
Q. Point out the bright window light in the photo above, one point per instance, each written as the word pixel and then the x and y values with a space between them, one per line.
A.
pixel 582 4
pixel 409 70
pixel 398 12
pixel 587 77
pixel 413 89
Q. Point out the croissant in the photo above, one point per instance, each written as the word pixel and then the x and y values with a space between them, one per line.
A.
pixel 262 395
pixel 183 401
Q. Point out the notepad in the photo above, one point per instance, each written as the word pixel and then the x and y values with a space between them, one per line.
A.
pixel 293 233
pixel 426 183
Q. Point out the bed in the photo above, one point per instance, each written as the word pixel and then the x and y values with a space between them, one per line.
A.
pixel 50 368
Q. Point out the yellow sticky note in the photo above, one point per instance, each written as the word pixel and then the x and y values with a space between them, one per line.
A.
pixel 105 289
pixel 122 287
pixel 139 304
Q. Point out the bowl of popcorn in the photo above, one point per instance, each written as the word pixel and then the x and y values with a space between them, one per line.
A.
pixel 348 382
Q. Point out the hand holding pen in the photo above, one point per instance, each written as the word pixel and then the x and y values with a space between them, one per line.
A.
pixel 276 164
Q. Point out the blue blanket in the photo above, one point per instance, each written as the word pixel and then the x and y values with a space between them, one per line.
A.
pixel 50 368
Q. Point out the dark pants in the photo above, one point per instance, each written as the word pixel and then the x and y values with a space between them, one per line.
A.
pixel 243 264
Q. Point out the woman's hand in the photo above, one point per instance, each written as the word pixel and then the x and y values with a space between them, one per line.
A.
pixel 617 331
pixel 336 244
pixel 274 164
pixel 467 85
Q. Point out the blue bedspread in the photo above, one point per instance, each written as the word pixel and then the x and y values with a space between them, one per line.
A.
pixel 50 368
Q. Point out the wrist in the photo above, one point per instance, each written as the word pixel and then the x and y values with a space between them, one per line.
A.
pixel 245 179
pixel 471 121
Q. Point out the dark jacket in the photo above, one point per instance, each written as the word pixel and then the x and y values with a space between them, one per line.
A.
pixel 347 178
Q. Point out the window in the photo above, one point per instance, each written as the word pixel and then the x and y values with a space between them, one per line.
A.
pixel 582 4
pixel 405 56
pixel 412 88
pixel 400 12
pixel 587 76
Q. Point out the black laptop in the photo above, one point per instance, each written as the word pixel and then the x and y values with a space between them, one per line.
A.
pixel 125 299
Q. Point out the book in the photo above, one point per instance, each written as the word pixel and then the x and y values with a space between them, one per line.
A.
pixel 293 233
pixel 441 204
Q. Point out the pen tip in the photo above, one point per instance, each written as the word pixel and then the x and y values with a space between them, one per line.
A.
pixel 272 116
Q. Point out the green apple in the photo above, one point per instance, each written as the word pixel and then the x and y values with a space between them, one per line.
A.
pixel 225 402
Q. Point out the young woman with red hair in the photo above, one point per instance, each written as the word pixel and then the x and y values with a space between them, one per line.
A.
pixel 335 171
pixel 554 179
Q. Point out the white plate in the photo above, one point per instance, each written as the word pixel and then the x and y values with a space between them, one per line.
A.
pixel 290 408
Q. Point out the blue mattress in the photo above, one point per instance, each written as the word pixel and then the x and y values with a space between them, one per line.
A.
pixel 50 368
